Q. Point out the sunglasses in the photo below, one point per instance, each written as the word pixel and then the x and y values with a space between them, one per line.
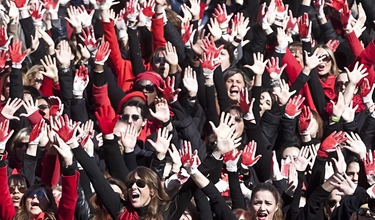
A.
pixel 138 182
pixel 38 193
pixel 149 88
pixel 340 84
pixel 158 60
pixel 236 119
pixel 38 80
pixel 125 117
pixel 365 213
pixel 22 144
pixel 325 58
pixel 21 188
pixel 43 107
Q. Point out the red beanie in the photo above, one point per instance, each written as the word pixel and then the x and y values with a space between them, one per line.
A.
pixel 152 77
pixel 129 96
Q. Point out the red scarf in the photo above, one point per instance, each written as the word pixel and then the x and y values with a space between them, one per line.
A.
pixel 129 214
pixel 329 87
pixel 39 217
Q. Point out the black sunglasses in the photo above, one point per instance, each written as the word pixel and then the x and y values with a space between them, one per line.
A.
pixel 158 60
pixel 149 88
pixel 21 188
pixel 22 144
pixel 340 84
pixel 325 58
pixel 140 183
pixel 38 193
pixel 125 117
pixel 43 106
pixel 38 80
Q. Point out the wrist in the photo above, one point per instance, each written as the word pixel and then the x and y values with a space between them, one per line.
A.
pixel 128 150
pixel 217 155
pixel 160 156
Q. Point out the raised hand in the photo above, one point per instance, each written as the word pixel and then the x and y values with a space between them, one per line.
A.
pixel 313 61
pixel 304 27
pixel 10 108
pixel 37 132
pixel 86 18
pixel 195 8
pixel 132 10
pixel 291 24
pixel 259 64
pixel 16 55
pixel 89 39
pixel 31 107
pixel 176 160
pixel 74 18
pixel 319 7
pixel 273 68
pixel 360 26
pixel 102 54
pixel 64 150
pixel 292 180
pixel 162 112
pixel 21 4
pixel 37 14
pixel 369 164
pixel 63 54
pixel 333 44
pixel 227 139
pixel 50 68
pixel 336 4
pixel 209 47
pixel 345 15
pixel 5 134
pixel 331 143
pixel 52 6
pixel 357 74
pixel 148 8
pixel 302 161
pixel 340 164
pixel 293 107
pixel 282 93
pixel 81 80
pixel 187 33
pixel 246 105
pixel 169 92
pixel 344 184
pixel 305 121
pixel 129 138
pixel 4 39
pixel 162 143
pixel 189 161
pixel 220 13
pixel 107 119
pixel 4 56
pixel 187 15
pixel 214 29
pixel 338 108
pixel 349 113
pixel 170 54
pixel 65 128
pixel 86 132
pixel 356 145
pixel 248 156
pixel 208 65
pixel 231 159
pixel 190 81
pixel 57 107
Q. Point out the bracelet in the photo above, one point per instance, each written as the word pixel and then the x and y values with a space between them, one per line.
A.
pixel 165 124
pixel 237 40
pixel 193 98
pixel 335 119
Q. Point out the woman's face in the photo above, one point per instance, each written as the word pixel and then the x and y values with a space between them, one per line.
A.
pixel 139 193
pixel 224 59
pixel 353 172
pixel 161 65
pixel 148 89
pixel 342 81
pixel 234 85
pixel 291 153
pixel 21 148
pixel 333 201
pixel 16 192
pixel 325 67
pixel 44 107
pixel 297 53
pixel 264 205
pixel 237 121
pixel 37 81
pixel 36 201
pixel 265 102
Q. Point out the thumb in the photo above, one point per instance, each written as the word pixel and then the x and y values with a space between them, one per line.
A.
pixel 153 114
pixel 151 142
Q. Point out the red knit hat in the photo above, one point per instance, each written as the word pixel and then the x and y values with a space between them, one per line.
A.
pixel 152 77
pixel 129 96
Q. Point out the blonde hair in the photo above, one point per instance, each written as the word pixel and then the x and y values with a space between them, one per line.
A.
pixel 334 69
pixel 20 135
pixel 31 73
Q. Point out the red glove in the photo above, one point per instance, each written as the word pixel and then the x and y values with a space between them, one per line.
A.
pixel 148 8
pixel 304 26
pixel 20 3
pixel 102 54
pixel 209 47
pixel 16 55
pixel 89 39
pixel 4 40
pixel 220 13
pixel 292 22
pixel 305 121
pixel 185 153
pixel 248 155
pixel 336 4
pixel 244 102
pixel 51 4
pixel 345 15
pixel 4 56
pixel 65 129
pixel 365 87
pixel 369 163
pixel 107 119
pixel 38 13
pixel 186 31
pixel 56 106
pixel 330 143
pixel 208 62
pixel 4 131
pixel 132 10
pixel 333 44
pixel 292 108
pixel 273 68
pixel 36 131
pixel 169 93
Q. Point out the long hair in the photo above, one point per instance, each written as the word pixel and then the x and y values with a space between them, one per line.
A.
pixel 159 201
pixel 334 69
pixel 270 188
pixel 21 134
pixel 101 212
pixel 51 210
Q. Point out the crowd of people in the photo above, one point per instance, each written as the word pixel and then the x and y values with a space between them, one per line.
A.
pixel 187 110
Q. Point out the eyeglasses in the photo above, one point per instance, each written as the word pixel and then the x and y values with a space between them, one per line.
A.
pixel 326 58
pixel 38 193
pixel 21 188
pixel 365 213
pixel 149 88
pixel 22 144
pixel 340 84
pixel 125 117
pixel 236 119
pixel 138 182
pixel 158 60
pixel 43 107
pixel 38 80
